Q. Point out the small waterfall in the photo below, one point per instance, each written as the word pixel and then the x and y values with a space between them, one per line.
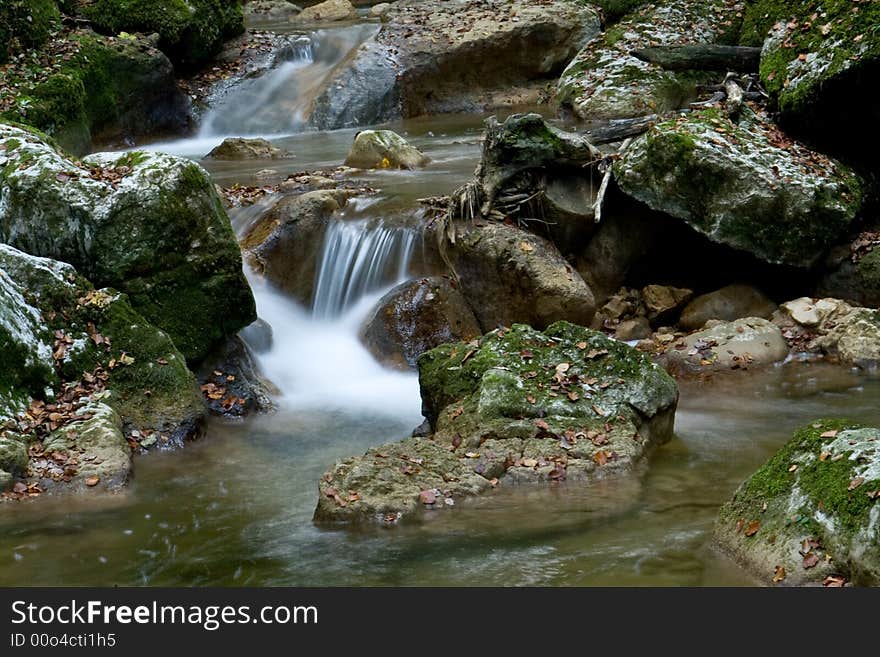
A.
pixel 359 258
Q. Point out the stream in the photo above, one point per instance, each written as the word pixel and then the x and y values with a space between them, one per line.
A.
pixel 235 509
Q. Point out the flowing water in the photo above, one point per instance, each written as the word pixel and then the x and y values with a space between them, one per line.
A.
pixel 236 507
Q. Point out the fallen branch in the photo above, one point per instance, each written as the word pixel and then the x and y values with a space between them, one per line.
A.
pixel 620 129
pixel 702 57
pixel 606 179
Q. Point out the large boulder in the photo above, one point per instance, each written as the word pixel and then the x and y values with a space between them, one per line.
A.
pixel 284 244
pixel 190 32
pixel 743 184
pixel 383 149
pixel 744 343
pixel 727 304
pixel 415 317
pixel 516 406
pixel 94 340
pixel 102 89
pixel 856 276
pixel 606 81
pixel 442 56
pixel 150 225
pixel 810 514
pixel 326 12
pixel 241 148
pixel 509 276
pixel 819 63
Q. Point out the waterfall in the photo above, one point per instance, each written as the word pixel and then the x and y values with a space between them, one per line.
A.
pixel 359 258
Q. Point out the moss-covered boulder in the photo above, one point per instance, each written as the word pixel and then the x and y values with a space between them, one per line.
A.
pixel 516 406
pixel 150 225
pixel 190 32
pixel 94 337
pixel 383 149
pixel 820 63
pixel 605 81
pixel 103 89
pixel 856 279
pixel 744 185
pixel 812 511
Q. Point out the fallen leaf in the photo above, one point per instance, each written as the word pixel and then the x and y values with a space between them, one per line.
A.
pixel 753 528
pixel 811 560
pixel 529 463
pixel 824 456
pixel 92 481
pixel 778 574
pixel 427 497
pixel 573 396
pixel 855 483
pixel 828 434
pixel 834 581
pixel 793 467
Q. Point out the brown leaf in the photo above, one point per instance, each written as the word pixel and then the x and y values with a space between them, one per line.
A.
pixel 811 560
pixel 855 483
pixel 427 497
pixel 834 581
pixel 824 456
pixel 529 463
pixel 828 434
pixel 595 353
pixel 601 457
pixel 778 574
pixel 753 528
pixel 573 396
pixel 92 481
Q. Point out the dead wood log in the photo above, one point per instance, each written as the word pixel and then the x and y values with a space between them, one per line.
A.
pixel 702 57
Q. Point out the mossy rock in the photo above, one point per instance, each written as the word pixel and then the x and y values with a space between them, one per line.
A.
pixel 27 22
pixel 149 383
pixel 190 32
pixel 605 81
pixel 858 281
pixel 149 225
pixel 820 62
pixel 812 510
pixel 743 185
pixel 516 406
pixel 109 88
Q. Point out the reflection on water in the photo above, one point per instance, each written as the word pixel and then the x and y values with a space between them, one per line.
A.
pixel 235 509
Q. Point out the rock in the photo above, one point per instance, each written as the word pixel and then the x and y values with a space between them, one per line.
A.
pixel 285 243
pixel 103 453
pixel 105 89
pixel 190 32
pixel 808 312
pixel 663 301
pixel 740 344
pixel 145 377
pixel 232 383
pixel 383 149
pixel 633 329
pixel 13 456
pixel 269 10
pixel 258 336
pixel 511 276
pixel 380 10
pixel 851 334
pixel 433 56
pixel 327 11
pixel 727 304
pixel 415 317
pixel 811 511
pixel 148 224
pixel 855 279
pixel 6 478
pixel 820 73
pixel 239 148
pixel 497 420
pixel 605 81
pixel 743 185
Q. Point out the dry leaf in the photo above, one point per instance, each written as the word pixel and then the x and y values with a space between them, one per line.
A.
pixel 753 528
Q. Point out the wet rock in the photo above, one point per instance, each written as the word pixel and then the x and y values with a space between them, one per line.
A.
pixel 13 456
pixel 148 224
pixel 383 149
pixel 851 334
pixel 239 148
pixel 269 10
pixel 811 511
pixel 415 317
pixel 232 384
pixel 809 312
pixel 517 406
pixel 633 329
pixel 285 243
pixel 747 342
pixel 662 302
pixel 605 81
pixel 820 72
pixel 445 56
pixel 258 336
pixel 102 452
pixel 743 185
pixel 727 304
pixel 327 11
pixel 105 347
pixel 511 276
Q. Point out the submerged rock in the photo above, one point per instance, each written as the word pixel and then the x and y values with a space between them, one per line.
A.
pixel 605 81
pixel 746 342
pixel 415 317
pixel 433 56
pixel 516 406
pixel 727 304
pixel 743 185
pixel 240 148
pixel 232 383
pixel 148 224
pixel 383 149
pixel 812 511
pixel 512 276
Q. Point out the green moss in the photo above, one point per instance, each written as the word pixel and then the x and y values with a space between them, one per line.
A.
pixel 190 31
pixel 614 10
pixel 26 24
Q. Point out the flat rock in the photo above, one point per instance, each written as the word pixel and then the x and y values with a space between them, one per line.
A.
pixel 747 342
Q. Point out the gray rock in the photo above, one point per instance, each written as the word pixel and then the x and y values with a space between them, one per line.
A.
pixel 744 343
pixel 240 148
pixel 727 304
pixel 383 149
pixel 325 12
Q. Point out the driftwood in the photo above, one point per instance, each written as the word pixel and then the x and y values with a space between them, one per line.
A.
pixel 702 57
pixel 620 129
pixel 734 101
pixel 606 166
